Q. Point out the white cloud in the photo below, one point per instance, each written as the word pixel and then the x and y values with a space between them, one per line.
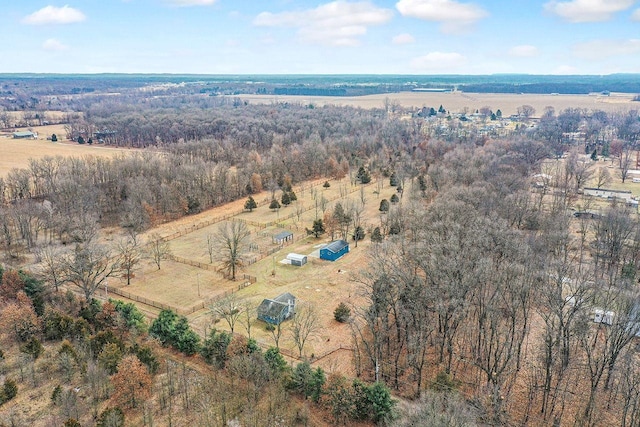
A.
pixel 565 69
pixel 439 61
pixel 636 15
pixel 524 51
pixel 54 45
pixel 404 38
pixel 452 15
pixel 54 15
pixel 338 23
pixel 599 49
pixel 185 3
pixel 587 10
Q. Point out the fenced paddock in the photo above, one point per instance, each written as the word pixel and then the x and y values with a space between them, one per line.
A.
pixel 193 245
pixel 189 284
pixel 176 285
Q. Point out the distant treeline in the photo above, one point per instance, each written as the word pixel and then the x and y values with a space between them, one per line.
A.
pixel 33 91
pixel 310 91
pixel 560 88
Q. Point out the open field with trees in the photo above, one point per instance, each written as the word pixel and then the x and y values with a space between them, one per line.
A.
pixel 492 275
pixel 17 153
pixel 460 101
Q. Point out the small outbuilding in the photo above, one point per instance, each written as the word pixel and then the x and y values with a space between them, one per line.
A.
pixel 25 135
pixel 334 250
pixel 277 310
pixel 591 214
pixel 608 193
pixel 297 259
pixel 604 317
pixel 282 237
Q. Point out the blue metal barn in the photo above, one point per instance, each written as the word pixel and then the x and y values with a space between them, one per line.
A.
pixel 334 250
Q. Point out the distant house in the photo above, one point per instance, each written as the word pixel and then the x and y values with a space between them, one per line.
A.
pixel 25 135
pixel 103 135
pixel 608 193
pixel 277 310
pixel 602 316
pixel 297 259
pixel 541 180
pixel 591 214
pixel 334 250
pixel 282 237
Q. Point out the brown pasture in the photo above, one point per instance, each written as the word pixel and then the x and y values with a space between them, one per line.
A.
pixel 322 284
pixel 458 101
pixel 16 153
pixel 175 284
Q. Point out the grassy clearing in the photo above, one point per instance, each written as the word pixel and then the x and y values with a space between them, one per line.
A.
pixel 323 284
pixel 175 284
pixel 16 153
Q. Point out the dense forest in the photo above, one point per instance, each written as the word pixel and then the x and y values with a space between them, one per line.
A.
pixel 480 293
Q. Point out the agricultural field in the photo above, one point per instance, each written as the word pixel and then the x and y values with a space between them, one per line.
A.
pixel 459 101
pixel 15 153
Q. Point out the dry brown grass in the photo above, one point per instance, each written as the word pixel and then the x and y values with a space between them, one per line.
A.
pixel 457 101
pixel 15 153
pixel 323 284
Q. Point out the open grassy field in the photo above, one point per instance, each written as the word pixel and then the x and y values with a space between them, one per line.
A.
pixel 322 284
pixel 457 101
pixel 15 153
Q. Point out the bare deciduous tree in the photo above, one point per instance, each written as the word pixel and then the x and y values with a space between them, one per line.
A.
pixel 304 325
pixel 625 163
pixel 129 256
pixel 249 312
pixel 227 308
pixel 526 111
pixel 158 249
pixel 211 247
pixel 276 332
pixel 87 267
pixel 603 177
pixel 578 170
pixel 50 266
pixel 231 241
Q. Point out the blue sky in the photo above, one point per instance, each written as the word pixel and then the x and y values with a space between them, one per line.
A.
pixel 321 37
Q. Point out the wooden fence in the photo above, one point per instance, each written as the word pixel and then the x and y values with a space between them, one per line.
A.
pixel 191 262
pixel 145 301
pixel 247 280
pixel 314 358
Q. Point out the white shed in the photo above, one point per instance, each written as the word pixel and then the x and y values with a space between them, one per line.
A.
pixel 605 317
pixel 297 259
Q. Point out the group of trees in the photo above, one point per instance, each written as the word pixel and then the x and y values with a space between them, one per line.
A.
pixel 101 346
pixel 105 350
pixel 461 293
pixel 243 359
pixel 466 258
